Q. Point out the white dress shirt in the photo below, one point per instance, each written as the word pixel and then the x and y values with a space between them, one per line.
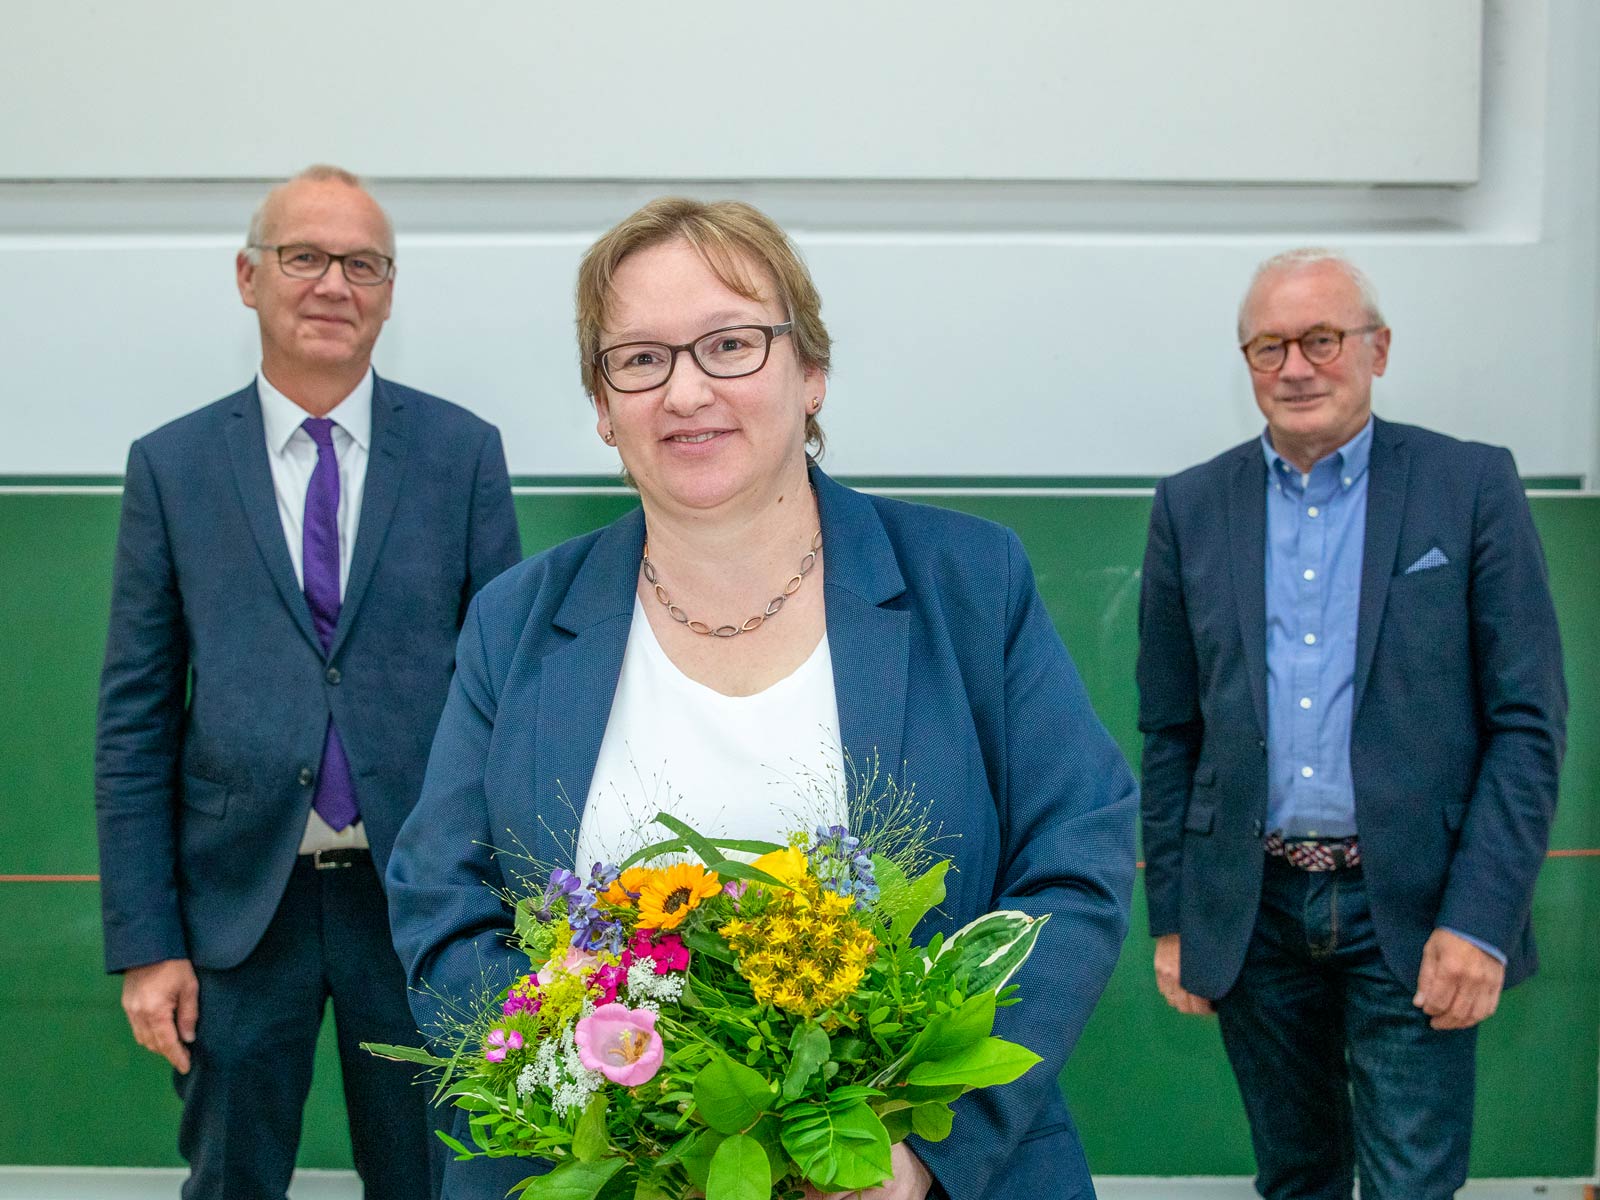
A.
pixel 292 455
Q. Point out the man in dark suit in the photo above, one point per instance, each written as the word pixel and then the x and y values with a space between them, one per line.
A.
pixel 293 566
pixel 1351 693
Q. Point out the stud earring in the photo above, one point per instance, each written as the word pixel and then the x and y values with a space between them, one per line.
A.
pixel 609 438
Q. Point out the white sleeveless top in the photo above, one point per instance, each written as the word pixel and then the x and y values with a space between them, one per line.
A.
pixel 731 766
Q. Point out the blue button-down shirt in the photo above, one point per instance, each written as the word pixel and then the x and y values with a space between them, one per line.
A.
pixel 1316 527
pixel 1316 534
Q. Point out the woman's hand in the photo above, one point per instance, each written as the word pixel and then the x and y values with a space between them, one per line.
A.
pixel 910 1181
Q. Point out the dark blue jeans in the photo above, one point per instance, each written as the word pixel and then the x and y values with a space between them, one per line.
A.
pixel 1338 1071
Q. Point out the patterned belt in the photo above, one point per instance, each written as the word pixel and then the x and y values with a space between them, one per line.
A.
pixel 1315 854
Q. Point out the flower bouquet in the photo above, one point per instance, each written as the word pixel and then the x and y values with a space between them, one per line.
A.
pixel 729 1028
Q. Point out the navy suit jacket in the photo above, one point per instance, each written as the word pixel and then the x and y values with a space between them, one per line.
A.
pixel 1459 709
pixel 216 692
pixel 943 658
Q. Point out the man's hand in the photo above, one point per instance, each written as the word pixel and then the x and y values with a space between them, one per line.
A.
pixel 162 1001
pixel 1459 984
pixel 1167 960
pixel 911 1181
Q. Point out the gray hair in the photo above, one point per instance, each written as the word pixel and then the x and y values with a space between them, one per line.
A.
pixel 316 173
pixel 1310 256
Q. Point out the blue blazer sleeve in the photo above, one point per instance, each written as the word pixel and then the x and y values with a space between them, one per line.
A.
pixel 138 734
pixel 1068 803
pixel 448 922
pixel 1522 702
pixel 493 542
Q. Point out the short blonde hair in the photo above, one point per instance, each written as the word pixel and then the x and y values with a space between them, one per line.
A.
pixel 731 237
pixel 316 173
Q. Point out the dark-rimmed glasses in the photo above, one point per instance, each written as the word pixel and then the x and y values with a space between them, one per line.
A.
pixel 728 353
pixel 1321 344
pixel 364 268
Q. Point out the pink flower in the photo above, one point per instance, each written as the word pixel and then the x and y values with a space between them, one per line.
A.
pixel 621 1043
pixel 666 950
pixel 576 963
pixel 606 980
pixel 501 1040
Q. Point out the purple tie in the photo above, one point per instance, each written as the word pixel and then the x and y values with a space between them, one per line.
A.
pixel 335 798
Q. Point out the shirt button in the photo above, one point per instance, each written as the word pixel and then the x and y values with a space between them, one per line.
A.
pixel 1305 701
pixel 1348 481
pixel 1307 772
pixel 1313 511
pixel 306 776
pixel 1311 639
pixel 332 675
pixel 1310 574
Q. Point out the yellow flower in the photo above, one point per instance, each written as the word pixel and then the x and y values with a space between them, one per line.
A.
pixel 788 864
pixel 626 886
pixel 670 894
pixel 802 953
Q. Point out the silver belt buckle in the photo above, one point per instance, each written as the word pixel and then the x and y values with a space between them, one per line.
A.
pixel 330 863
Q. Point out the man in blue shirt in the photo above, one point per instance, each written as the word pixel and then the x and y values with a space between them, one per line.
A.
pixel 1354 716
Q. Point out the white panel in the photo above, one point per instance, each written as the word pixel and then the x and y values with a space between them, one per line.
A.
pixel 1232 90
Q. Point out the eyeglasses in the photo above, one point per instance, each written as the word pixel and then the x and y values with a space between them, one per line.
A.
pixel 1320 344
pixel 729 353
pixel 363 268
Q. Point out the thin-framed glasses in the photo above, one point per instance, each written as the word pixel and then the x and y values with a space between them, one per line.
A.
pixel 728 353
pixel 1320 344
pixel 364 268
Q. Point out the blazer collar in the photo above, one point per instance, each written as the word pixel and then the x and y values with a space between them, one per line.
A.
pixel 1388 479
pixel 252 475
pixel 1247 552
pixel 386 461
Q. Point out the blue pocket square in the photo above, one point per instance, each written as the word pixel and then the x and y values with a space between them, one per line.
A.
pixel 1433 558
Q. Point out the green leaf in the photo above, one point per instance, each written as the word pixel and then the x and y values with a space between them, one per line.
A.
pixel 931 1122
pixel 739 1171
pixel 573 1180
pixel 730 1096
pixel 991 1062
pixel 904 902
pixel 953 1031
pixel 589 1141
pixel 808 1050
pixel 838 1149
pixel 697 1156
pixel 650 1188
pixel 461 1151
pixel 703 941
pixel 410 1054
pixel 983 954
pixel 896 1123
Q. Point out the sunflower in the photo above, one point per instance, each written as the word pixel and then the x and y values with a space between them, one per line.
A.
pixel 625 888
pixel 668 895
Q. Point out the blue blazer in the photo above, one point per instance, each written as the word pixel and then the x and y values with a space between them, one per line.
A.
pixel 216 692
pixel 944 659
pixel 1459 720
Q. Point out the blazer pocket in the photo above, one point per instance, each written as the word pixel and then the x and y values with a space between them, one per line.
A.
pixel 1202 809
pixel 205 795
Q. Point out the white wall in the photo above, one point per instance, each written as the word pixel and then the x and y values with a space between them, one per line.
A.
pixel 1030 233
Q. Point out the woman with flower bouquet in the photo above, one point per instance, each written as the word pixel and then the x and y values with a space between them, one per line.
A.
pixel 750 617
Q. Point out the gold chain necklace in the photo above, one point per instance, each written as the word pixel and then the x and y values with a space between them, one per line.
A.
pixel 652 577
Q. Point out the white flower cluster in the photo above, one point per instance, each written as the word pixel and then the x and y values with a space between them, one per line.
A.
pixel 646 989
pixel 557 1069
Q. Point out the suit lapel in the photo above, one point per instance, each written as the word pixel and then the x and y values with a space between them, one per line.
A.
pixel 869 643
pixel 1247 537
pixel 247 450
pixel 391 442
pixel 578 683
pixel 1388 473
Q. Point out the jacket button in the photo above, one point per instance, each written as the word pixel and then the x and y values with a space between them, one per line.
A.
pixel 1261 745
pixel 332 675
pixel 1255 829
pixel 306 776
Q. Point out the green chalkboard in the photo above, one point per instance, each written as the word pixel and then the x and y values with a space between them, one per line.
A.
pixel 1150 1089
